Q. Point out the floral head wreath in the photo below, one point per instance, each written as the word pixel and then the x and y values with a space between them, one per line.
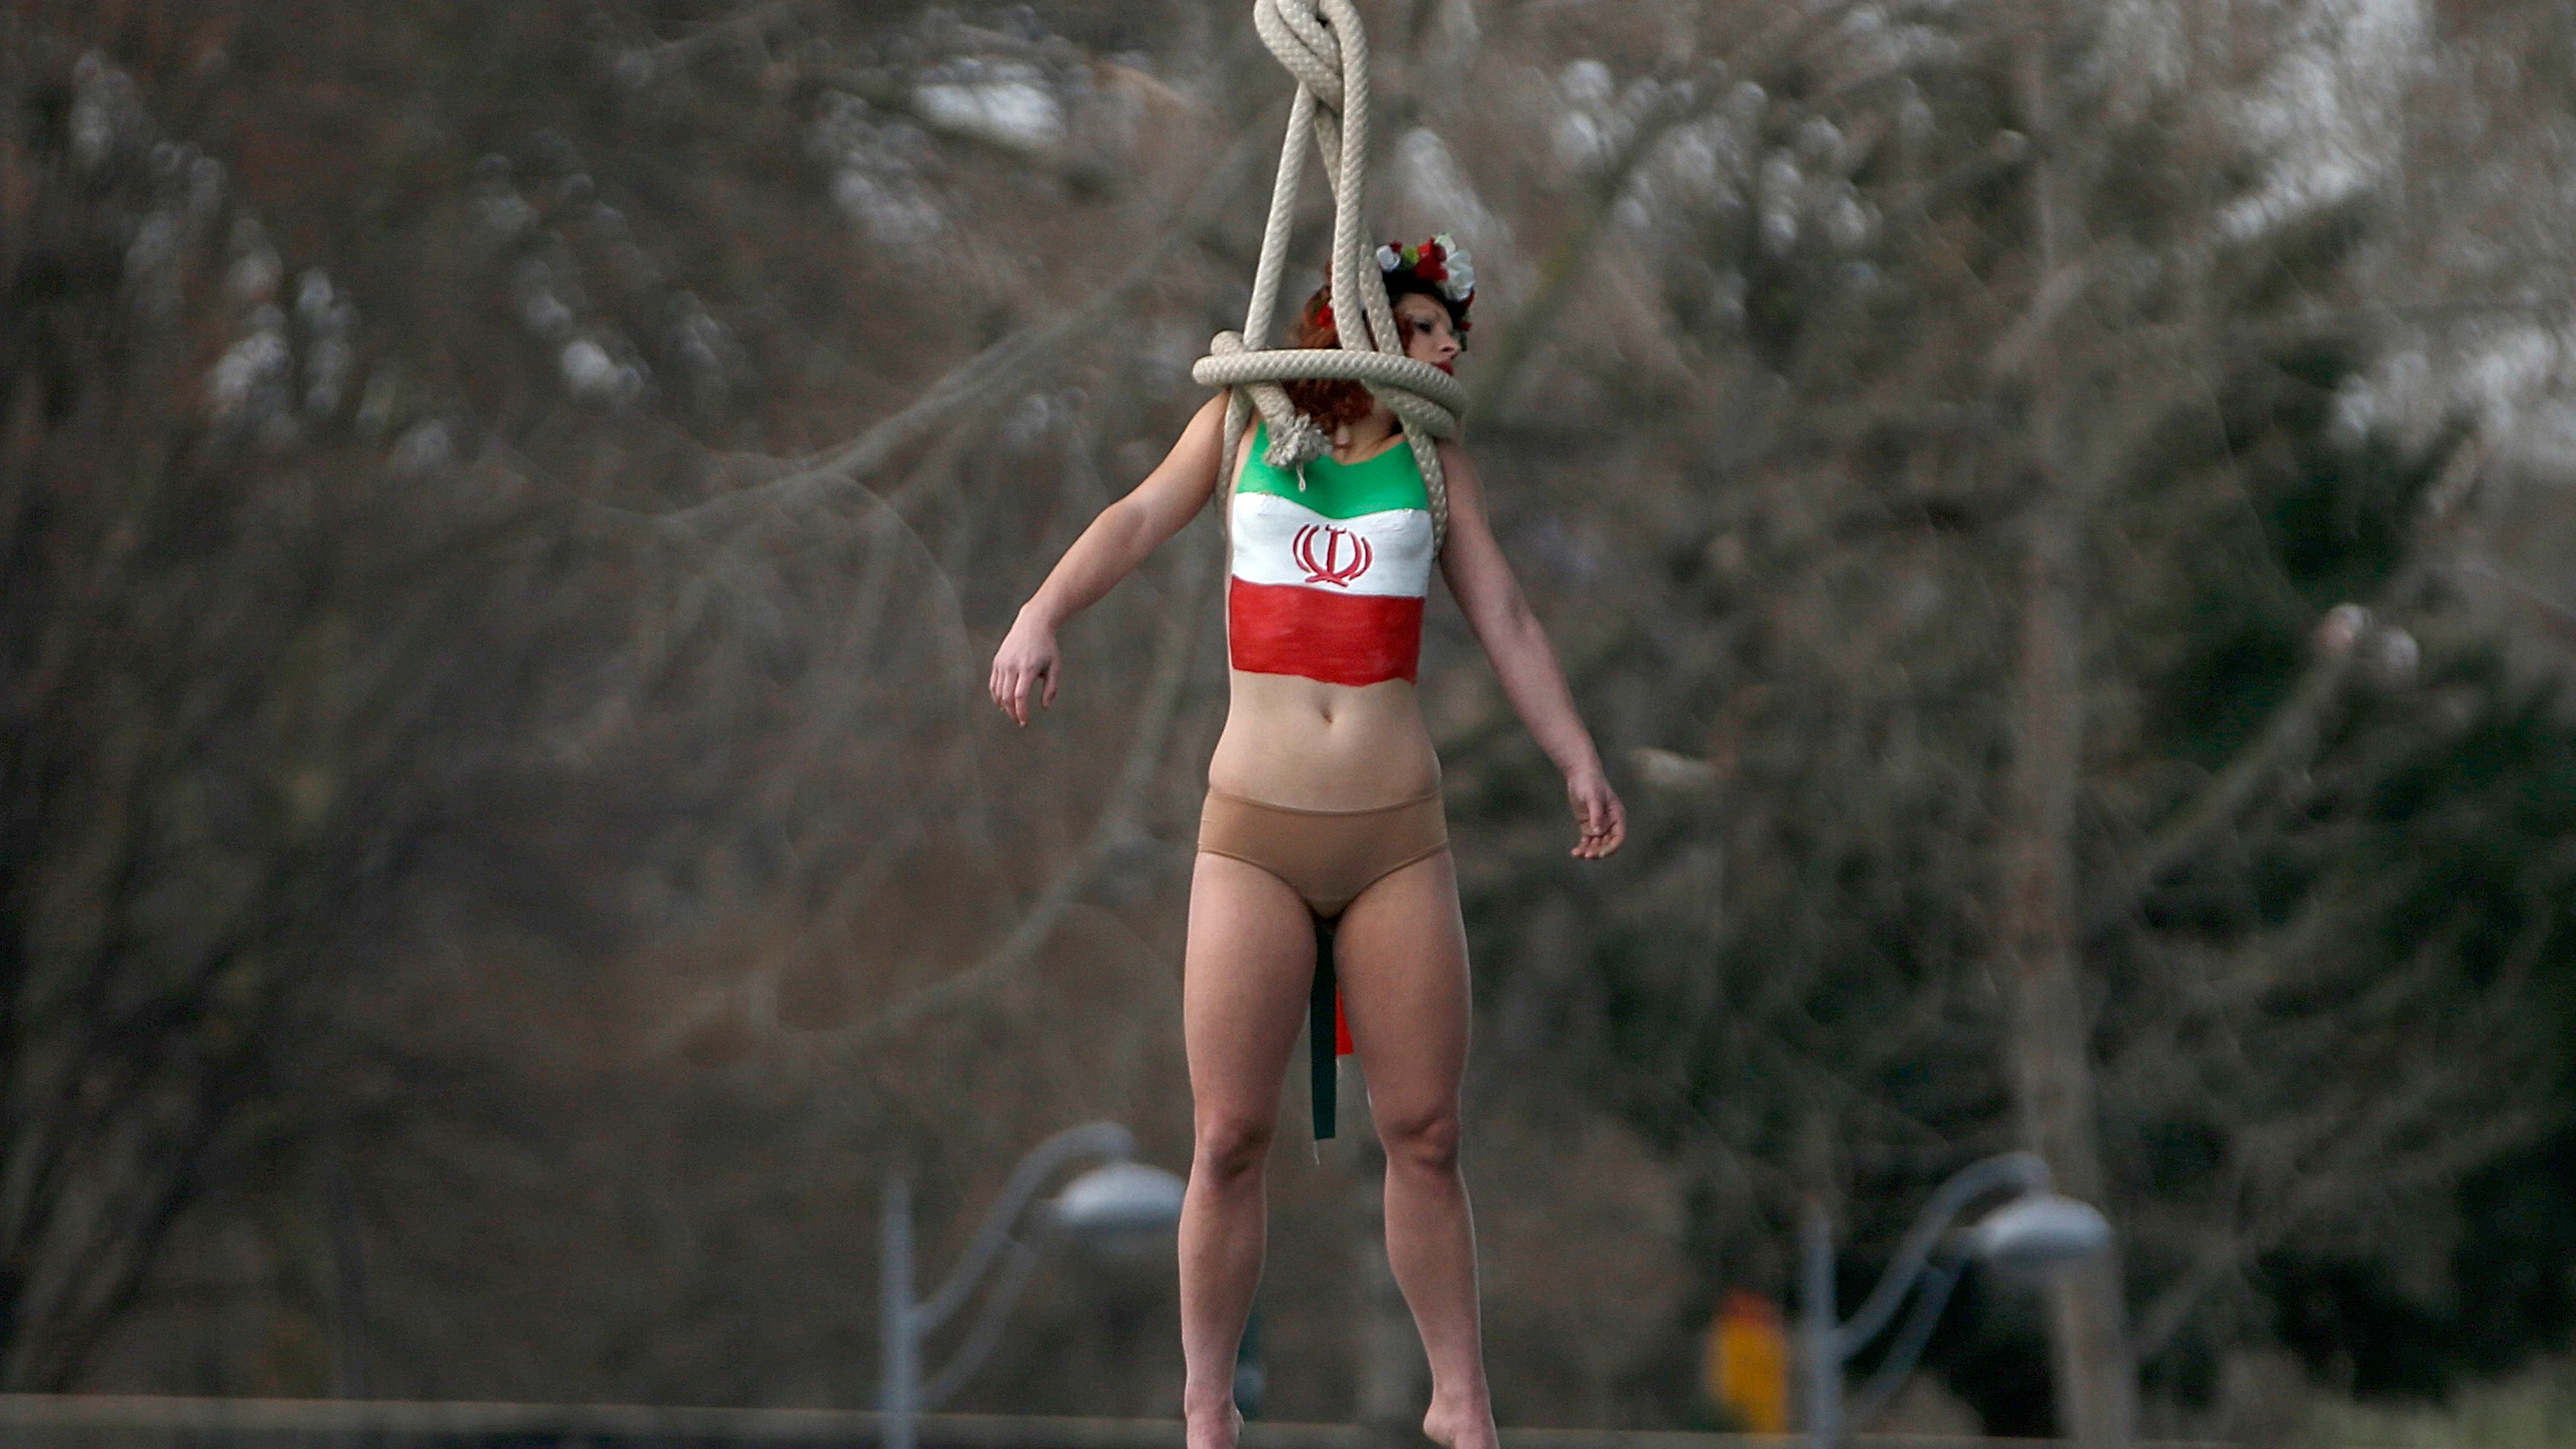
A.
pixel 1439 261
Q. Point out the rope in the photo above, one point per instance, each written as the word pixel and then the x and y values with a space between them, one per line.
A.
pixel 1321 44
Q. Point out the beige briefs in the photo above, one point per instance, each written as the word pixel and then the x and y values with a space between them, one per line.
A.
pixel 1326 856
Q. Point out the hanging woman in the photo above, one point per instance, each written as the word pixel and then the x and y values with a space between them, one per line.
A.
pixel 1324 804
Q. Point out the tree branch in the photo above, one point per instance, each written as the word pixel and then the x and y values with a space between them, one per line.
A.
pixel 1566 259
pixel 1175 644
pixel 2295 728
pixel 1007 366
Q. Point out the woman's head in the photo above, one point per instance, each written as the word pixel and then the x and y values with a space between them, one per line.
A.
pixel 1428 287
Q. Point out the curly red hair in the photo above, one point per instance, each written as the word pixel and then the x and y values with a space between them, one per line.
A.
pixel 1334 404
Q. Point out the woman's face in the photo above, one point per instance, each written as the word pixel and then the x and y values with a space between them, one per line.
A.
pixel 1428 337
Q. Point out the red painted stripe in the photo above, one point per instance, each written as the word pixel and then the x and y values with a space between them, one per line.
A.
pixel 1319 634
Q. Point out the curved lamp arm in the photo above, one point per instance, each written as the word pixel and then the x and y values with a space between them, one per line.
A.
pixel 1092 1139
pixel 2024 1170
pixel 1903 1354
pixel 987 1330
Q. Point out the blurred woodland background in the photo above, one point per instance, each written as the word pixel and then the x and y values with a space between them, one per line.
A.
pixel 504 509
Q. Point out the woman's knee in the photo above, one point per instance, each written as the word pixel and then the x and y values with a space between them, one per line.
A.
pixel 1232 1144
pixel 1426 1140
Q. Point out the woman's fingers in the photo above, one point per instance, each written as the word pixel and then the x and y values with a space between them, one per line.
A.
pixel 1005 687
pixel 1024 691
pixel 1601 818
pixel 1016 684
pixel 1614 830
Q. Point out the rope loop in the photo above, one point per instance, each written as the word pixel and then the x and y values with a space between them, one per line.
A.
pixel 1301 38
pixel 1321 44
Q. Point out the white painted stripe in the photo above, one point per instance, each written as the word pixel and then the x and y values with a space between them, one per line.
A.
pixel 1281 541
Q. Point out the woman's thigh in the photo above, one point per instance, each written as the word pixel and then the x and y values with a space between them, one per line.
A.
pixel 1401 951
pixel 1245 978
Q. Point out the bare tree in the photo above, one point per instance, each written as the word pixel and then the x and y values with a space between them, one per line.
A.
pixel 244 677
pixel 536 678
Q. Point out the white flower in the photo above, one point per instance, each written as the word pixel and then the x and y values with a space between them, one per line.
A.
pixel 1459 279
pixel 1462 274
pixel 1387 260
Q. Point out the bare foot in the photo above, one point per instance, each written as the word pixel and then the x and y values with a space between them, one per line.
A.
pixel 1208 1431
pixel 1457 1426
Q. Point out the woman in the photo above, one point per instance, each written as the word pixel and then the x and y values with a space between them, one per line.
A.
pixel 1323 801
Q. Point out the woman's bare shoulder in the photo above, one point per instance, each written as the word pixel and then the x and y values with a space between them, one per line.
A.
pixel 1456 465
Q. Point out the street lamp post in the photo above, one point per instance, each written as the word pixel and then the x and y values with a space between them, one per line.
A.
pixel 2037 1229
pixel 1120 1199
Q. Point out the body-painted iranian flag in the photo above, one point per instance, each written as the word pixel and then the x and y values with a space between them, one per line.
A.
pixel 1328 580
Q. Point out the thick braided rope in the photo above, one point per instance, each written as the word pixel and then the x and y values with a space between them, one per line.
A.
pixel 1321 44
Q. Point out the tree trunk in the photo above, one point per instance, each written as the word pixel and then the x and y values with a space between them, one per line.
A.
pixel 2052 1073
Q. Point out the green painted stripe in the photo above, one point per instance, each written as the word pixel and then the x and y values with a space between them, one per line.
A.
pixel 1340 490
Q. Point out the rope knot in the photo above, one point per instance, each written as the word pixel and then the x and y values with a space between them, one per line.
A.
pixel 1301 36
pixel 1321 43
pixel 1296 445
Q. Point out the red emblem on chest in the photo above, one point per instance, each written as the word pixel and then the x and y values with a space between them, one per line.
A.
pixel 1332 555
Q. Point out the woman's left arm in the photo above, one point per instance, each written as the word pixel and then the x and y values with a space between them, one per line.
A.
pixel 1482 581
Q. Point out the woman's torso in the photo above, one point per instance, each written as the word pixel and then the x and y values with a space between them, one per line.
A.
pixel 1324 607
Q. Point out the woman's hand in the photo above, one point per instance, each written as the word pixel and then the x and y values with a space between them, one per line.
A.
pixel 1025 668
pixel 1597 812
pixel 1492 601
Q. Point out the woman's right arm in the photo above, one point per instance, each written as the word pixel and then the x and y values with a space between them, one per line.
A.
pixel 1026 668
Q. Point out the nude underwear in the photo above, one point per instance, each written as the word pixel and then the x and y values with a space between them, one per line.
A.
pixel 1326 856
